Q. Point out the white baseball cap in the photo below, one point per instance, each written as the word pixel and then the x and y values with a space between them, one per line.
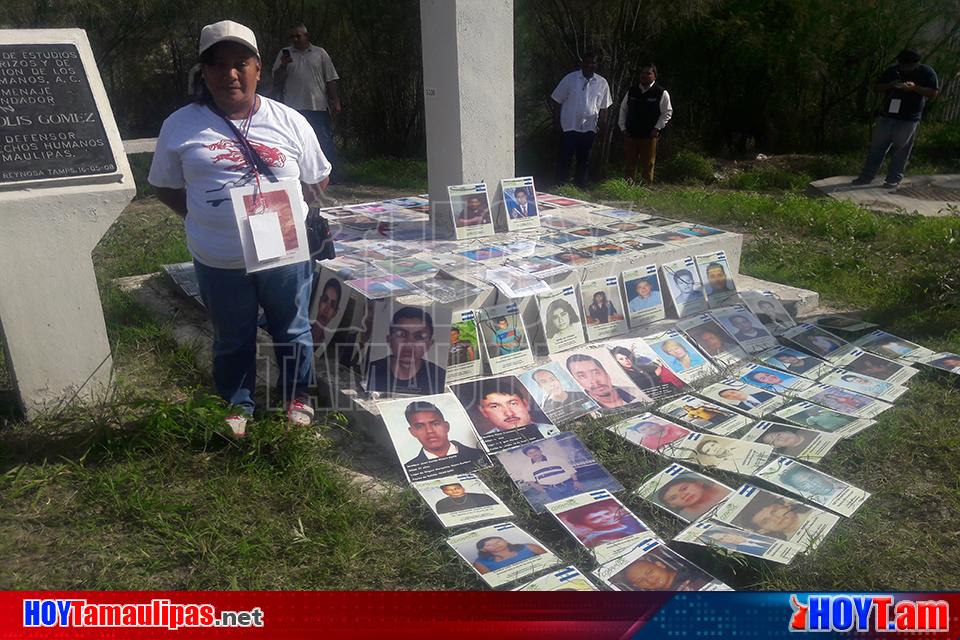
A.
pixel 229 31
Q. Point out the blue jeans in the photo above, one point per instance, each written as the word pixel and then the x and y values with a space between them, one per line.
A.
pixel 322 124
pixel 232 298
pixel 890 133
pixel 575 143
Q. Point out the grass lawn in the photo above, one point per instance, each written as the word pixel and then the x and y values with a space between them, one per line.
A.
pixel 144 491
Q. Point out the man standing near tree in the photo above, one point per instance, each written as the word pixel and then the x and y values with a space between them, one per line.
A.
pixel 308 80
pixel 905 87
pixel 579 105
pixel 644 112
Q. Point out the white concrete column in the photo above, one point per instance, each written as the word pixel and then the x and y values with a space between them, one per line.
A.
pixel 56 203
pixel 468 87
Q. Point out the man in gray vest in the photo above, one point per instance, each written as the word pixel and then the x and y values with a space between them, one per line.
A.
pixel 644 112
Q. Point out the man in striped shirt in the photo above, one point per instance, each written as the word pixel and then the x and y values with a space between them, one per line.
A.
pixel 554 476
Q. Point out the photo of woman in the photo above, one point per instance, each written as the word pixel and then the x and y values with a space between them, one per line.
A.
pixel 689 495
pixel 495 553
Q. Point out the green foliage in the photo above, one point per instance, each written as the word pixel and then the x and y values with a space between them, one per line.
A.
pixel 146 236
pixel 621 190
pixel 140 167
pixel 399 173
pixel 571 191
pixel 768 178
pixel 687 167
pixel 939 143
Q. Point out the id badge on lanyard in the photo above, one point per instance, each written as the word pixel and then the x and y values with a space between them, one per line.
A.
pixel 270 217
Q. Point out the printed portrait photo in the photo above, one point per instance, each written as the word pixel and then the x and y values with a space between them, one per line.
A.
pixel 555 468
pixel 661 569
pixel 557 393
pixel 432 436
pixel 404 353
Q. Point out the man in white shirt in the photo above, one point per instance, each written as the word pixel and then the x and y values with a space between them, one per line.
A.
pixel 308 80
pixel 644 111
pixel 579 105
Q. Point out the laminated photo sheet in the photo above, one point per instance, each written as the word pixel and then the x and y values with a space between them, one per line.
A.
pixel 807 445
pixel 601 377
pixel 645 368
pixel 641 288
pixel 520 203
pixel 697 230
pixel 446 288
pixel 641 245
pixel 653 566
pixel 408 348
pixel 432 436
pixel 408 268
pixel 745 328
pixel 945 361
pixel 481 253
pixel 470 208
pixel 684 493
pixel 274 234
pixel 890 346
pixel 716 535
pixel 515 283
pixel 857 360
pixel 555 468
pixel 813 416
pixel 502 553
pixel 504 338
pixel 815 340
pixel 717 278
pixel 754 509
pixel 866 385
pixel 774 380
pixel 603 309
pixel 557 393
pixel 814 486
pixel 408 202
pixel 461 500
pixel 566 579
pixel 387 286
pixel 768 308
pixel 561 318
pixel 710 336
pixel 670 235
pixel 681 357
pixel 844 401
pixel 328 306
pixel 845 324
pixel 651 432
pixel 795 362
pixel 737 394
pixel 682 281
pixel 502 412
pixel 727 454
pixel 600 523
pixel 464 360
pixel 704 415
pixel 538 266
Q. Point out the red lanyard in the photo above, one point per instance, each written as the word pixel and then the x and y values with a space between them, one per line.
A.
pixel 249 153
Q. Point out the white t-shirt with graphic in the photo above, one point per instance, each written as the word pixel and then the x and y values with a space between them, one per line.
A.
pixel 197 151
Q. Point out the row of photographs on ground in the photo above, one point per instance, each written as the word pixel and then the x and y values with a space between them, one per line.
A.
pixel 495 337
pixel 520 208
pixel 579 237
pixel 557 473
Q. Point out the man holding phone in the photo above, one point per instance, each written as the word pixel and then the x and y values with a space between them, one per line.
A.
pixel 307 79
pixel 906 87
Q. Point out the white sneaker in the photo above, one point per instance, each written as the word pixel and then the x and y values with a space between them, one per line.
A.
pixel 237 424
pixel 300 413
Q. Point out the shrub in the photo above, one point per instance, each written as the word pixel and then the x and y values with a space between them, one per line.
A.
pixel 688 167
pixel 768 178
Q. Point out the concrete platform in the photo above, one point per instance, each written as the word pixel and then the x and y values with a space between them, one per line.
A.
pixel 924 195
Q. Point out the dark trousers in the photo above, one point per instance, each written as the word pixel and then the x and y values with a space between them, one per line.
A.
pixel 322 124
pixel 574 143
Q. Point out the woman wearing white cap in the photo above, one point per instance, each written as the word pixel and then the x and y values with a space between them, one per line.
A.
pixel 231 138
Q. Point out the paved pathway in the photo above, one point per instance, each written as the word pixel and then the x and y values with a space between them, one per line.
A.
pixel 926 195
